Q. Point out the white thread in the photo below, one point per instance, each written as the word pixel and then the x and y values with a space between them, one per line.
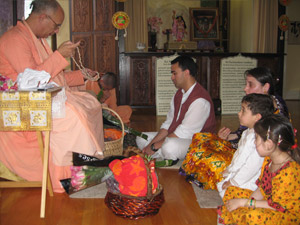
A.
pixel 84 71
pixel 117 35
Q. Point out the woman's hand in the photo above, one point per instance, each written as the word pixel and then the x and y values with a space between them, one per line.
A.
pixel 224 133
pixel 235 203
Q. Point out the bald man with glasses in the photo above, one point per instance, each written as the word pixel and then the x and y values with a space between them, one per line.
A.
pixel 80 130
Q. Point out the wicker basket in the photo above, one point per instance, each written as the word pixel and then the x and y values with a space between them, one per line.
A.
pixel 136 207
pixel 114 147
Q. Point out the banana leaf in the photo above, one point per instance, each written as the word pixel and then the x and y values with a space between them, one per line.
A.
pixel 117 123
pixel 100 94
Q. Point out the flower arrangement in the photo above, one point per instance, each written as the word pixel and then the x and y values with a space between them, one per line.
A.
pixel 7 84
pixel 86 176
pixel 154 23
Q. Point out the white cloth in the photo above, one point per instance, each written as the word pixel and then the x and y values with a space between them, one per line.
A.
pixel 245 166
pixel 193 122
pixel 194 118
pixel 59 104
pixel 31 79
pixel 172 148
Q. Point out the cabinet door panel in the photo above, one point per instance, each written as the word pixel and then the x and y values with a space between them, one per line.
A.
pixel 104 23
pixel 85 50
pixel 91 24
pixel 105 53
pixel 82 15
pixel 141 82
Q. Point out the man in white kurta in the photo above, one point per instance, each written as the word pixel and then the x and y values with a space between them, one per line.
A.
pixel 191 111
pixel 176 148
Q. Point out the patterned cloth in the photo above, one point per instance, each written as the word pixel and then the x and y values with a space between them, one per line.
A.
pixel 132 176
pixel 280 189
pixel 207 158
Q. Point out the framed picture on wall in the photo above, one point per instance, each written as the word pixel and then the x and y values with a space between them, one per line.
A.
pixel 204 23
pixel 294 33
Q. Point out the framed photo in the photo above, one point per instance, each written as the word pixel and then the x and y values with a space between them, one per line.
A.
pixel 204 24
pixel 294 33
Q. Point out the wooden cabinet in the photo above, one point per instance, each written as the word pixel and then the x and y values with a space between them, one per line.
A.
pixel 137 88
pixel 91 24
pixel 137 74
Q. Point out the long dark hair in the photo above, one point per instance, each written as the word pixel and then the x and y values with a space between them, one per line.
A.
pixel 264 76
pixel 279 129
pixel 182 20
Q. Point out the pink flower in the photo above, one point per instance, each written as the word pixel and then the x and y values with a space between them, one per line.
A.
pixel 7 84
pixel 154 23
pixel 78 177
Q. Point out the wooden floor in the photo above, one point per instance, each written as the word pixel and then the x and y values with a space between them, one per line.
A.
pixel 22 206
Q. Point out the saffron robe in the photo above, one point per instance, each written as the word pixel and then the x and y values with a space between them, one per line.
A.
pixel 124 111
pixel 81 130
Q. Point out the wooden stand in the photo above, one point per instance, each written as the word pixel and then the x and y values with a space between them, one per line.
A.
pixel 31 111
pixel 46 177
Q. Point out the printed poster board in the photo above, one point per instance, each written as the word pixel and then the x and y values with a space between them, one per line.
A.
pixel 164 87
pixel 232 82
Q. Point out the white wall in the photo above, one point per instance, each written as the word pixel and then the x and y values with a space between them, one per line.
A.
pixel 241 33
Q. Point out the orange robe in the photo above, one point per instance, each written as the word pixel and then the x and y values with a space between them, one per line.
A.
pixel 124 111
pixel 81 130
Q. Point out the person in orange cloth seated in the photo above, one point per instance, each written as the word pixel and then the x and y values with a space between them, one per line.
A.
pixel 80 129
pixel 105 89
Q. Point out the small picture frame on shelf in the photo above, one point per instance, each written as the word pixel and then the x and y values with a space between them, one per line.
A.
pixel 204 24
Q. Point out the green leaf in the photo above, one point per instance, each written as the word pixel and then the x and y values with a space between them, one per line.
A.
pixel 117 123
pixel 100 95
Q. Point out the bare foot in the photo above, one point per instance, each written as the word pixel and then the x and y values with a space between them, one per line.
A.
pixel 99 155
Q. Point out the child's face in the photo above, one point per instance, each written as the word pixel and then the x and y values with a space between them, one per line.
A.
pixel 261 146
pixel 103 86
pixel 246 117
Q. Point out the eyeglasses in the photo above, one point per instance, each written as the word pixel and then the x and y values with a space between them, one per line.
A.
pixel 56 25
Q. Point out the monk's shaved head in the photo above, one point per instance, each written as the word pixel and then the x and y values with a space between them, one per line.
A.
pixel 39 6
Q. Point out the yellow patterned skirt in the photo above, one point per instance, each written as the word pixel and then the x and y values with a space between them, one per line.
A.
pixel 250 216
pixel 207 157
